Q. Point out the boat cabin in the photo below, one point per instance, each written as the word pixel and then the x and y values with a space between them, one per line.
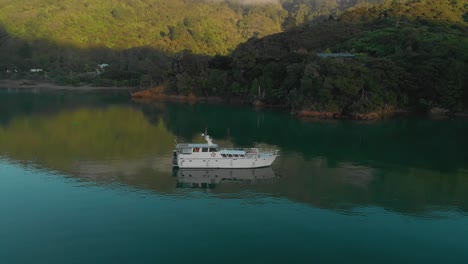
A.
pixel 209 155
pixel 196 148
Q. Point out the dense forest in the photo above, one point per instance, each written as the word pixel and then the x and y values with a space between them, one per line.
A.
pixel 410 55
pixel 401 54
pixel 137 38
pixel 202 26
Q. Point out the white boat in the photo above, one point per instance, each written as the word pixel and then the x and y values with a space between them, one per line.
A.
pixel 210 155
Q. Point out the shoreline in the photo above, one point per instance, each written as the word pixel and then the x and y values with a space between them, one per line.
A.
pixel 32 85
pixel 158 94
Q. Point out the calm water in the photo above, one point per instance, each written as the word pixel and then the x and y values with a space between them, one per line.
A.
pixel 87 178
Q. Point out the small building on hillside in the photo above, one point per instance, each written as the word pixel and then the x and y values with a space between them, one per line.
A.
pixel 336 55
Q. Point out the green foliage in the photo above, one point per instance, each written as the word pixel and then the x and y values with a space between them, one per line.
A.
pixel 167 25
pixel 408 53
pixel 25 51
pixel 433 58
pixel 138 36
pixel 421 63
pixel 400 12
pixel 205 27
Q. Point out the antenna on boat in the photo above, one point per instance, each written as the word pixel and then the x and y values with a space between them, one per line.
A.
pixel 207 137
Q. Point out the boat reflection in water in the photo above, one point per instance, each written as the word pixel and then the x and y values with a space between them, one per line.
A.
pixel 209 178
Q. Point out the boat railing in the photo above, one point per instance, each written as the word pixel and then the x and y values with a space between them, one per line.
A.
pixel 274 152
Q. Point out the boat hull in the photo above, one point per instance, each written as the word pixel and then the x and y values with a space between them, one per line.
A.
pixel 222 163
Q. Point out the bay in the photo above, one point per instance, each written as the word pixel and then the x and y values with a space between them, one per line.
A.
pixel 86 177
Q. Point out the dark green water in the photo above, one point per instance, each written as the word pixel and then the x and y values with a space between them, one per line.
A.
pixel 87 178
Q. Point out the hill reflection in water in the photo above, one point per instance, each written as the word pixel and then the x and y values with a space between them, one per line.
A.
pixel 411 166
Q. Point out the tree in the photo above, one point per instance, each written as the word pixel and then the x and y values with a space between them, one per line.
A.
pixel 25 51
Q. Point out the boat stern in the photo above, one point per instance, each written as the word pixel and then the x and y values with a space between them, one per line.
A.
pixel 175 159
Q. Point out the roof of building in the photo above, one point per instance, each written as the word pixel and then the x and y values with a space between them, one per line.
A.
pixel 336 55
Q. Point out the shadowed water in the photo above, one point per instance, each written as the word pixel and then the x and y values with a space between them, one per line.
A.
pixel 87 178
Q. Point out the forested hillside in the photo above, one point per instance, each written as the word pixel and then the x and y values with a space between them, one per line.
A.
pixel 409 55
pixel 204 27
pixel 137 38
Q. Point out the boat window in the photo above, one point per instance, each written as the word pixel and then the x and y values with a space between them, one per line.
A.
pixel 223 155
pixel 196 149
pixel 186 150
pixel 235 155
pixel 213 150
pixel 229 155
pixel 243 156
pixel 204 149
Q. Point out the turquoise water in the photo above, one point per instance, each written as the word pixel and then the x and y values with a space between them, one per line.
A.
pixel 86 178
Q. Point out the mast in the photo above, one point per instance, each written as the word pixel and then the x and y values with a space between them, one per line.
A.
pixel 207 138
